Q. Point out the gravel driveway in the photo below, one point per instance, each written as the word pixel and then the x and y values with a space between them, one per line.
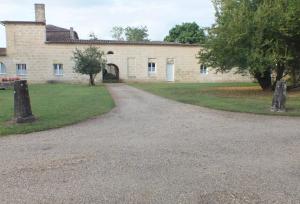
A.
pixel 153 150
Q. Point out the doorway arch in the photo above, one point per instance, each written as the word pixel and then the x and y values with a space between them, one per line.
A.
pixel 111 73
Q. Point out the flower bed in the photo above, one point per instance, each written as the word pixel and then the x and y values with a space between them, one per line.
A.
pixel 8 82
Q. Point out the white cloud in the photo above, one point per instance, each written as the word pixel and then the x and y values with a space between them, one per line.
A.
pixel 99 16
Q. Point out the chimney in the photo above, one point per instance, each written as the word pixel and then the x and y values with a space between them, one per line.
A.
pixel 40 13
pixel 72 34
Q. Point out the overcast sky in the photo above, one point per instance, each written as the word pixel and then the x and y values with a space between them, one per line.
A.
pixel 99 16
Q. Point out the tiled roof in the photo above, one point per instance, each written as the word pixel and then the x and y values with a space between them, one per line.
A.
pixel 118 42
pixel 2 51
pixel 54 28
pixel 55 33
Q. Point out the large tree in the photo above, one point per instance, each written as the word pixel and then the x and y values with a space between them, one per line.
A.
pixel 190 33
pixel 90 62
pixel 139 33
pixel 136 33
pixel 254 36
pixel 117 33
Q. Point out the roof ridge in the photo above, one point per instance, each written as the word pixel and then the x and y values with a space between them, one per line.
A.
pixel 119 42
pixel 22 22
pixel 56 28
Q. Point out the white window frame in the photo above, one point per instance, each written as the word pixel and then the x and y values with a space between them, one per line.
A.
pixel 2 69
pixel 152 69
pixel 203 69
pixel 21 70
pixel 58 69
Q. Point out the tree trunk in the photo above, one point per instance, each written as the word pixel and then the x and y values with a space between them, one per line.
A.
pixel 92 80
pixel 279 74
pixel 22 107
pixel 264 80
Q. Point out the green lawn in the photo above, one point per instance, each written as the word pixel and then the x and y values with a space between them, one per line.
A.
pixel 237 97
pixel 55 105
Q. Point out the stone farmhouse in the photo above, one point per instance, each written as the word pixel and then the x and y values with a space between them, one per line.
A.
pixel 40 52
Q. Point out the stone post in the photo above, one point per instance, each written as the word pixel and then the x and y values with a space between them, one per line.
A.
pixel 22 107
pixel 279 98
pixel 72 33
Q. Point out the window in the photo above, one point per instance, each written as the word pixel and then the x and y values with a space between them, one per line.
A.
pixel 58 69
pixel 151 66
pixel 21 69
pixel 2 68
pixel 203 70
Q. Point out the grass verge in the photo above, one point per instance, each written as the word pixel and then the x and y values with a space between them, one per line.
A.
pixel 55 105
pixel 236 97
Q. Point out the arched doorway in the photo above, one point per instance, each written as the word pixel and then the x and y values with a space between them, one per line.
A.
pixel 111 73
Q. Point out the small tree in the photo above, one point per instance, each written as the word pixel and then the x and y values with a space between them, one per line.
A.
pixel 93 36
pixel 90 62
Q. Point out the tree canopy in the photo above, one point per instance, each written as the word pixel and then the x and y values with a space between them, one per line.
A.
pixel 139 33
pixel 93 36
pixel 117 33
pixel 190 33
pixel 89 62
pixel 256 36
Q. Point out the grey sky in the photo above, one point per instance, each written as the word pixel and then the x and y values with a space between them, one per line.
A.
pixel 99 16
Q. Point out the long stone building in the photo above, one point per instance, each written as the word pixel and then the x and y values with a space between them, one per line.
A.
pixel 40 52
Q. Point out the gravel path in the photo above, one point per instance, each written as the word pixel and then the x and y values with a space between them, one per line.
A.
pixel 153 150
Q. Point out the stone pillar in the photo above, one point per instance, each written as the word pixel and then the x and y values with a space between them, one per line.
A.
pixel 22 107
pixel 279 98
pixel 72 33
pixel 40 15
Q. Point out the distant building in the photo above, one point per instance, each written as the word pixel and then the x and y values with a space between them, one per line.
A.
pixel 40 52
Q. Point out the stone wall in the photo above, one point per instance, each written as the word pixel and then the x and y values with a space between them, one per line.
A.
pixel 26 45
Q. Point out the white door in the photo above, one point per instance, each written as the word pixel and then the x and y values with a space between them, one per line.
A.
pixel 170 72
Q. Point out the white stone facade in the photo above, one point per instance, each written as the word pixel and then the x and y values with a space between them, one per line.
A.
pixel 27 44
